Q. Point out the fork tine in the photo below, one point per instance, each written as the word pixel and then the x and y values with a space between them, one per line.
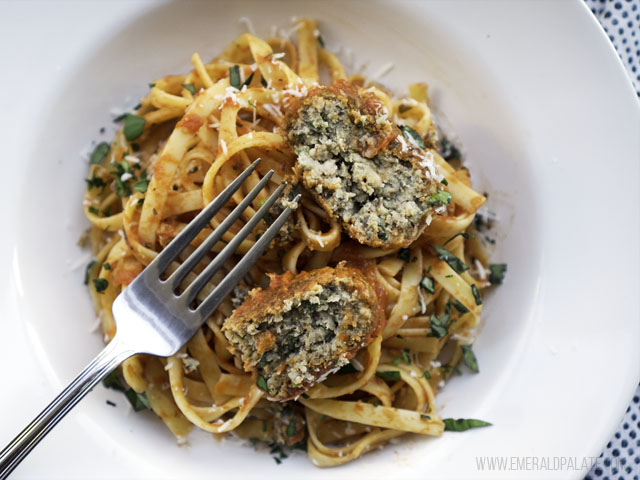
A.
pixel 201 280
pixel 176 278
pixel 171 251
pixel 213 300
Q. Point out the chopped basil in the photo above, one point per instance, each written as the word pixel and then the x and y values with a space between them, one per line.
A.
pixel 320 40
pixel 115 381
pixel 476 294
pixel 444 182
pixel 404 254
pixel 427 375
pixel 449 151
pixel 389 375
pixel 138 401
pixel 133 127
pixel 426 417
pixel 107 266
pixel 459 307
pixel 101 284
pixel 469 358
pixel 441 197
pixel 382 235
pixel 462 424
pixel 291 429
pixel 453 261
pixel 247 82
pixel 251 104
pixel 151 85
pixel 497 272
pixel 141 185
pixel 406 357
pixel 413 136
pixel 428 284
pixel 99 153
pixel 464 235
pixel 190 87
pixel 440 325
pixel 120 117
pixel 234 77
pixel 375 404
pixel 93 210
pixel 92 264
pixel 262 384
pixel 95 182
pixel 122 189
pixel 396 361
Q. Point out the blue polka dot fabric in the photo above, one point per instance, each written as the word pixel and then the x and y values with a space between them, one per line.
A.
pixel 621 457
pixel 621 20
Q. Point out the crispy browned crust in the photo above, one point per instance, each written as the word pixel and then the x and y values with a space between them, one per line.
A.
pixel 364 109
pixel 262 303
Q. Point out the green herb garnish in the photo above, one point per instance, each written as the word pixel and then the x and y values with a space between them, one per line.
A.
pixel 320 40
pixel 291 429
pixel 122 189
pixel 453 261
pixel 389 375
pixel 459 307
pixel 139 401
pixel 426 417
pixel 497 272
pixel 190 87
pixel 247 82
pixel 469 358
pixel 404 254
pixel 476 294
pixel 93 210
pixel 441 197
pixel 262 384
pixel 151 85
pixel 115 381
pixel 234 77
pixel 99 153
pixel 413 136
pixel 427 375
pixel 141 185
pixel 107 266
pixel 95 182
pixel 462 424
pixel 444 182
pixel 101 284
pixel 440 325
pixel 133 127
pixel 428 284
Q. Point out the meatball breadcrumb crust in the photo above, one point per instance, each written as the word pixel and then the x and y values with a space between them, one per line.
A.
pixel 303 327
pixel 359 167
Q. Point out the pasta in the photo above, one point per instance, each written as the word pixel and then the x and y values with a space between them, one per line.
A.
pixel 189 137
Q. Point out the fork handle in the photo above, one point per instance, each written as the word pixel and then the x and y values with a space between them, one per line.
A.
pixel 107 360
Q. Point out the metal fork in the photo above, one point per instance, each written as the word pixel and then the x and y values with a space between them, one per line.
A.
pixel 150 316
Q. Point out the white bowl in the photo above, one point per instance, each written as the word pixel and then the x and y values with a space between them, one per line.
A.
pixel 550 127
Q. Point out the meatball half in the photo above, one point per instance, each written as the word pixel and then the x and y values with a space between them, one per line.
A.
pixel 360 168
pixel 303 327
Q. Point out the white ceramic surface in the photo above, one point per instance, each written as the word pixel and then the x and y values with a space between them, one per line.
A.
pixel 550 126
